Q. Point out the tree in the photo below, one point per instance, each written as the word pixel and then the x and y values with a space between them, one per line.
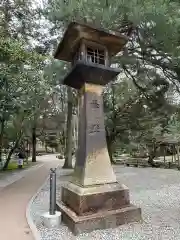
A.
pixel 150 62
pixel 134 123
pixel 149 59
pixel 21 65
pixel 14 80
pixel 69 144
pixel 14 133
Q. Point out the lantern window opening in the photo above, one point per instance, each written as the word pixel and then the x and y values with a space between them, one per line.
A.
pixel 95 55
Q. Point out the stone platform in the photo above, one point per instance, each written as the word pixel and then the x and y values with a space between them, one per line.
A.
pixel 96 207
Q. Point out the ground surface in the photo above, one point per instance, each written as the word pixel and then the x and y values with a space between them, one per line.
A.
pixel 17 188
pixel 156 191
pixel 10 176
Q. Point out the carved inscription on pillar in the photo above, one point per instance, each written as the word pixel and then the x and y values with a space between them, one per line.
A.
pixel 94 103
pixel 94 114
pixel 94 128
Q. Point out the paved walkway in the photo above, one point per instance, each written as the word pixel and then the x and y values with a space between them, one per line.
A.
pixel 9 177
pixel 15 197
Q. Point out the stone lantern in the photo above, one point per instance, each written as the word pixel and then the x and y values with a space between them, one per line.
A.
pixel 92 199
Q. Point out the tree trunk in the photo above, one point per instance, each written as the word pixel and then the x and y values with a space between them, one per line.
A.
pixel 11 152
pixel 177 148
pixel 34 144
pixel 111 136
pixel 69 143
pixel 1 138
pixel 110 152
pixel 28 149
pixel 46 147
pixel 152 155
pixel 110 149
pixel 8 159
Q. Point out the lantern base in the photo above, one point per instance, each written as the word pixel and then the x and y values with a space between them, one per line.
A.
pixel 96 207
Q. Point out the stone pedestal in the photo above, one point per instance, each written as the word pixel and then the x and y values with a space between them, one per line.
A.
pixel 51 221
pixel 93 199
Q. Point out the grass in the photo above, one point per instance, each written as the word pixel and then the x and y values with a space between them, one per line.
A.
pixel 14 166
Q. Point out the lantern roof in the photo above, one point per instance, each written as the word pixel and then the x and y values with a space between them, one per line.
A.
pixel 113 41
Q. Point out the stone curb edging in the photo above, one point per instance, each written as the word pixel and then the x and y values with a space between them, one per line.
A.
pixel 30 222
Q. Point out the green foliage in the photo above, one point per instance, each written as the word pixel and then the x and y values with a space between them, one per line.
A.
pixel 139 107
pixel 23 85
pixel 131 123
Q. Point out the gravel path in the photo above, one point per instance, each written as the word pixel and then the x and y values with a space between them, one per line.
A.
pixel 156 191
